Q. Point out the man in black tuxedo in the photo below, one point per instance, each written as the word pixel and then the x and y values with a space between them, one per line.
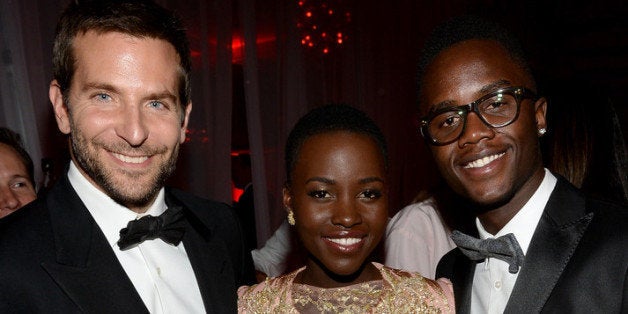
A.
pixel 109 238
pixel 556 250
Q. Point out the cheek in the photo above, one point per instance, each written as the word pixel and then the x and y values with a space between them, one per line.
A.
pixel 27 197
pixel 441 154
pixel 166 129
pixel 90 123
pixel 309 215
pixel 376 215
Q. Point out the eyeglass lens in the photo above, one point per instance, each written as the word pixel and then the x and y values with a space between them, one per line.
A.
pixel 496 111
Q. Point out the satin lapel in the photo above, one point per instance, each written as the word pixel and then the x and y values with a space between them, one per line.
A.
pixel 86 269
pixel 209 260
pixel 462 279
pixel 553 243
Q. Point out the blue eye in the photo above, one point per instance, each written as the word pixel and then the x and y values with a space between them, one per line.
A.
pixel 103 97
pixel 156 104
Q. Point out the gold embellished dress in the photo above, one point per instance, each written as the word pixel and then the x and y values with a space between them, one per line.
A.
pixel 398 292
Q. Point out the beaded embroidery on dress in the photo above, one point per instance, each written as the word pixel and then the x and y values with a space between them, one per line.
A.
pixel 398 292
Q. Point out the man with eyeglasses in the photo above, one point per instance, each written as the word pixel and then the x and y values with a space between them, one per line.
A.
pixel 544 247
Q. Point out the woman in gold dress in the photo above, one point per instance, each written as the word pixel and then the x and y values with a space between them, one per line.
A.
pixel 336 196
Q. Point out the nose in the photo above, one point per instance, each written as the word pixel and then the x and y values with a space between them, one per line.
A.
pixel 132 126
pixel 346 213
pixel 475 130
pixel 8 200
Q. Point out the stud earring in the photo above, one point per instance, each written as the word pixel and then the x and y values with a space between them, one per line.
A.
pixel 291 217
pixel 542 131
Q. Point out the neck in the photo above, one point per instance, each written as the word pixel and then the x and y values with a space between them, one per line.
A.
pixel 494 219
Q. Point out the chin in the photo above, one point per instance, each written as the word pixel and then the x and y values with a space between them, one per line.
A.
pixel 489 201
pixel 340 271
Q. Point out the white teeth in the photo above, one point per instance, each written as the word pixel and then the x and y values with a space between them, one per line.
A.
pixel 345 241
pixel 483 161
pixel 129 159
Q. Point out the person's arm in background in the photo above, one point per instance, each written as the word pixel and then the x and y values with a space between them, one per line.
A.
pixel 271 259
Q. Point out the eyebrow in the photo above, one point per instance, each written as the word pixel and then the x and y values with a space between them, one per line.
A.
pixel 489 88
pixel 494 86
pixel 103 86
pixel 22 177
pixel 330 181
pixel 371 179
pixel 320 179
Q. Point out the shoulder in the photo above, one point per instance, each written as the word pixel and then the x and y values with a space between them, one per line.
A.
pixel 26 241
pixel 608 211
pixel 272 294
pixel 609 224
pixel 411 292
pixel 28 224
pixel 569 206
pixel 567 203
pixel 212 213
pixel 196 202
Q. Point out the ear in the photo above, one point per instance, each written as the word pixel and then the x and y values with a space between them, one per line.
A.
pixel 184 124
pixel 287 198
pixel 540 110
pixel 60 108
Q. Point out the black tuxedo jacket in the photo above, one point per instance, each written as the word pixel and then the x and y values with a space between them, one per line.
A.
pixel 55 259
pixel 577 260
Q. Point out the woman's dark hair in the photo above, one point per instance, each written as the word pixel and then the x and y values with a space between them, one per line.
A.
pixel 330 118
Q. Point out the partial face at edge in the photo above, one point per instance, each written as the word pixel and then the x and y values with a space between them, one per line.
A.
pixel 124 114
pixel 339 197
pixel 486 165
pixel 16 189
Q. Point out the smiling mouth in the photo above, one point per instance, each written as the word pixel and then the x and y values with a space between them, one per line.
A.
pixel 478 163
pixel 129 159
pixel 345 241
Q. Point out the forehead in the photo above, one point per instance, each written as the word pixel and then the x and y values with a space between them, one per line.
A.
pixel 10 160
pixel 335 145
pixel 462 72
pixel 115 55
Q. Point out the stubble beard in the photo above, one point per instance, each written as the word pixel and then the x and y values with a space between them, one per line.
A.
pixel 124 187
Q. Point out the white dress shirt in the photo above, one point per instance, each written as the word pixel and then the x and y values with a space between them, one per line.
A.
pixel 161 273
pixel 492 282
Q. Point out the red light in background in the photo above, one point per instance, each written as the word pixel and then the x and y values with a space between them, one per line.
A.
pixel 323 24
pixel 236 193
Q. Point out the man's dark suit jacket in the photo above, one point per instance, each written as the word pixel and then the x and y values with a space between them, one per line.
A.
pixel 577 261
pixel 55 259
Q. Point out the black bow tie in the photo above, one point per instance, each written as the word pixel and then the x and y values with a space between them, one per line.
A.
pixel 169 226
pixel 505 248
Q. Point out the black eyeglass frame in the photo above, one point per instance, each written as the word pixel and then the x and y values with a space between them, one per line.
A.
pixel 519 92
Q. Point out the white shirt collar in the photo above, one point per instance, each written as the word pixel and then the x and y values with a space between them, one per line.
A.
pixel 109 215
pixel 524 223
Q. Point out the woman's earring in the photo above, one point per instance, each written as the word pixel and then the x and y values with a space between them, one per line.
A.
pixel 291 217
pixel 542 131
